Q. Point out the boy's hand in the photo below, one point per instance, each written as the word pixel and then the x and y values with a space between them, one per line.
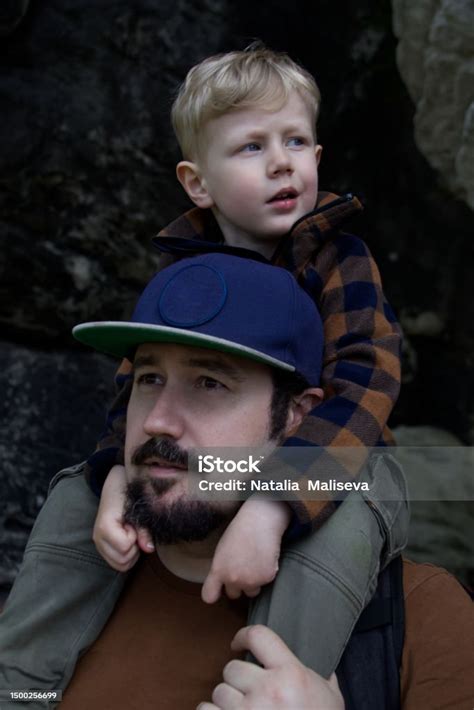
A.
pixel 118 544
pixel 281 681
pixel 247 554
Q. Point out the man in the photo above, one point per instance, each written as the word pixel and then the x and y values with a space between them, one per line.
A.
pixel 201 380
pixel 206 390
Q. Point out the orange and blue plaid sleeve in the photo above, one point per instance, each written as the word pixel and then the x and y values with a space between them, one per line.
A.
pixel 361 366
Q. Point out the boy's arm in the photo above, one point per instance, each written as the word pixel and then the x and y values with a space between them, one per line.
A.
pixel 116 541
pixel 361 367
pixel 248 552
pixel 361 378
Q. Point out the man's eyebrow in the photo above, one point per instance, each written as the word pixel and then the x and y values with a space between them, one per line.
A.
pixel 213 364
pixel 144 361
pixel 216 365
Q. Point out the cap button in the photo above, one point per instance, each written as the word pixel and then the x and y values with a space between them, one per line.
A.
pixel 193 296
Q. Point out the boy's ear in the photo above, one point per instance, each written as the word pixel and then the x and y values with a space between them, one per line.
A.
pixel 300 405
pixel 194 183
pixel 318 149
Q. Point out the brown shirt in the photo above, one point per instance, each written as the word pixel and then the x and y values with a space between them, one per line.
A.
pixel 164 648
pixel 438 654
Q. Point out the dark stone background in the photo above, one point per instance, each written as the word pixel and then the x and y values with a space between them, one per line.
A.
pixel 87 177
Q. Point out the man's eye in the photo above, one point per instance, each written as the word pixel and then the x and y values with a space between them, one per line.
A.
pixel 209 383
pixel 148 378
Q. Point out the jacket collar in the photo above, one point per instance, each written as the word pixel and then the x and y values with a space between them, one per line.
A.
pixel 310 233
pixel 330 212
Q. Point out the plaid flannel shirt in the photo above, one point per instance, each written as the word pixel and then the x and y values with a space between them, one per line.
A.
pixel 361 364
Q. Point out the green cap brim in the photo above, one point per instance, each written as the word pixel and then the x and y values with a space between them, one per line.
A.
pixel 122 339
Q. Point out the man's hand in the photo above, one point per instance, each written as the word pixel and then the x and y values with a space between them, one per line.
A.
pixel 283 683
pixel 118 544
pixel 247 554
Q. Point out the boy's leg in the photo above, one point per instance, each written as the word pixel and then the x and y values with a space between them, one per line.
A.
pixel 326 579
pixel 63 595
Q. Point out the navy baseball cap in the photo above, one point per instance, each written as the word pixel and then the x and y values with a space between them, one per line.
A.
pixel 225 303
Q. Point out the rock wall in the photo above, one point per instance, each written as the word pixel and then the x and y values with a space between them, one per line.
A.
pixel 440 528
pixel 87 177
pixel 435 56
pixel 53 403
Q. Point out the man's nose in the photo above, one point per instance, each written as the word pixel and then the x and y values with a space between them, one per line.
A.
pixel 279 161
pixel 166 417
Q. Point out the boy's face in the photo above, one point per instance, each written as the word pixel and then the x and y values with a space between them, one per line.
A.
pixel 258 172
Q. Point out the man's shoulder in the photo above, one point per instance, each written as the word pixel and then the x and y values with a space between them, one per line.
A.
pixel 421 578
pixel 434 597
pixel 438 654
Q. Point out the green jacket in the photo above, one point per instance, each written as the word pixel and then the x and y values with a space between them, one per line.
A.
pixel 64 592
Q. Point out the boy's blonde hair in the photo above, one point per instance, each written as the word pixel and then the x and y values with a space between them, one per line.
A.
pixel 256 76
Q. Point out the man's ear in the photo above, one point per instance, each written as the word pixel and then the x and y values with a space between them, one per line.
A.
pixel 194 183
pixel 300 405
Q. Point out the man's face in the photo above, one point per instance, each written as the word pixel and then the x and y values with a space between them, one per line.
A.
pixel 186 398
pixel 260 170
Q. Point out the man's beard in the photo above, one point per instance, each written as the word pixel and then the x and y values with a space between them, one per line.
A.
pixel 182 520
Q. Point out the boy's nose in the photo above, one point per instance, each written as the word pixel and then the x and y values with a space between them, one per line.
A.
pixel 166 417
pixel 279 162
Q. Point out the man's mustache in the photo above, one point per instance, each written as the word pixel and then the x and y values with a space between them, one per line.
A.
pixel 164 449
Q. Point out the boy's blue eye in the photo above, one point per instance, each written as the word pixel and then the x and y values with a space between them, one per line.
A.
pixel 251 147
pixel 296 141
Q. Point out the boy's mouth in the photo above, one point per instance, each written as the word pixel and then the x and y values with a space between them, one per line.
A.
pixel 286 194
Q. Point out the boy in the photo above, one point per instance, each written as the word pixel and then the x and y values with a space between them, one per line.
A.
pixel 246 125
